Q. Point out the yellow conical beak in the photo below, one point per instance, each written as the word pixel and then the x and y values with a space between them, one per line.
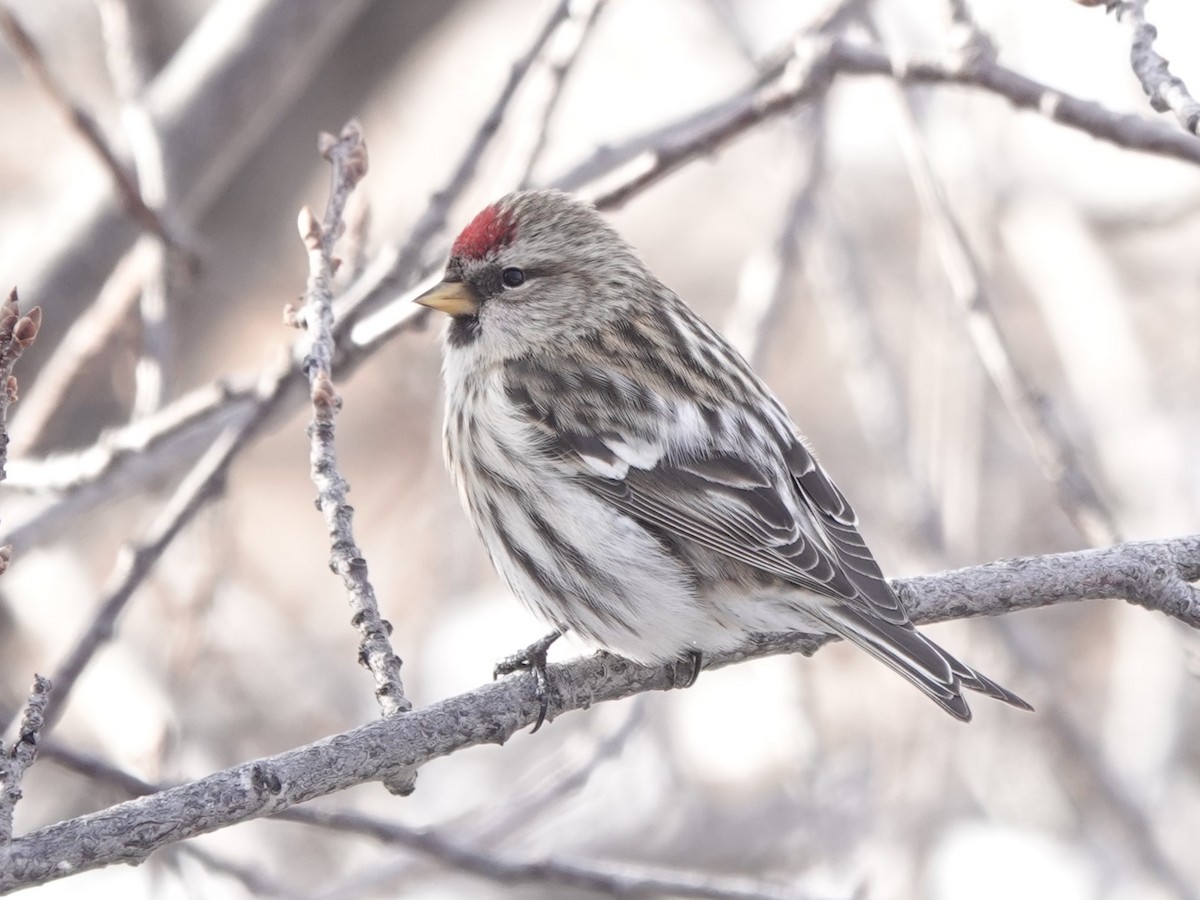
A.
pixel 451 297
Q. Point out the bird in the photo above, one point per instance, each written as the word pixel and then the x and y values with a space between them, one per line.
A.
pixel 631 477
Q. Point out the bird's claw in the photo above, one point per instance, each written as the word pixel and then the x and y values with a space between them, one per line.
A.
pixel 683 672
pixel 532 659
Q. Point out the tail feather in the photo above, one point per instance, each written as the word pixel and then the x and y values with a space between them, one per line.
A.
pixel 938 674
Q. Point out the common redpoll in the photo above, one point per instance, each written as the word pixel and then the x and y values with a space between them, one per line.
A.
pixel 632 478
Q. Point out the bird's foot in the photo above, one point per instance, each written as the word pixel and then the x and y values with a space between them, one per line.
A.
pixel 683 672
pixel 532 659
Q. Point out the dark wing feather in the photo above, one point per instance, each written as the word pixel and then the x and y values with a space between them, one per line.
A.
pixel 840 526
pixel 748 523
pixel 781 515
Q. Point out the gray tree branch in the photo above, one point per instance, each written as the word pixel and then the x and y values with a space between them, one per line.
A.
pixel 1154 574
pixel 347 156
pixel 16 761
pixel 1166 91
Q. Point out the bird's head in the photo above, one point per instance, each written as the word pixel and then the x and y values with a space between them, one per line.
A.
pixel 535 270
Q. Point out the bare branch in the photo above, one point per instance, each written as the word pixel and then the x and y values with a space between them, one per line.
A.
pixel 194 417
pixel 15 762
pixel 126 48
pixel 471 856
pixel 767 278
pixel 1154 574
pixel 84 124
pixel 1128 131
pixel 87 336
pixel 505 819
pixel 130 71
pixel 808 74
pixel 1167 92
pixel 203 482
pixel 970 41
pixel 1080 497
pixel 17 334
pixel 347 155
pixel 616 880
pixel 253 880
pixel 127 458
pixel 566 51
pixel 843 57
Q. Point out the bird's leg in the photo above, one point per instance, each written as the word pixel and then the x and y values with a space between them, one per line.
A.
pixel 532 659
pixel 684 671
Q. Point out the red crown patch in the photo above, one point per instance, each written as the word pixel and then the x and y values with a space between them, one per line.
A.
pixel 488 231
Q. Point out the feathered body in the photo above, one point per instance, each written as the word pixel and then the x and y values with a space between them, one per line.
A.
pixel 631 477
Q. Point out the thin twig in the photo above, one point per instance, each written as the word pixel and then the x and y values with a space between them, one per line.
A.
pixel 123 31
pixel 129 68
pixel 807 76
pixel 969 41
pixel 195 416
pixel 89 334
pixel 15 762
pixel 572 39
pixel 347 155
pixel 766 277
pixel 1167 92
pixel 17 333
pixel 613 880
pixel 202 483
pixel 507 818
pixel 1079 495
pixel 253 880
pixel 96 769
pixel 84 124
pixel 1155 574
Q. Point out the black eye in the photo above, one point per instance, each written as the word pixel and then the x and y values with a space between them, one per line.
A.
pixel 512 277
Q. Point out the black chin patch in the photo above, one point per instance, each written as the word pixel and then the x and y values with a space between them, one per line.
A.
pixel 464 331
